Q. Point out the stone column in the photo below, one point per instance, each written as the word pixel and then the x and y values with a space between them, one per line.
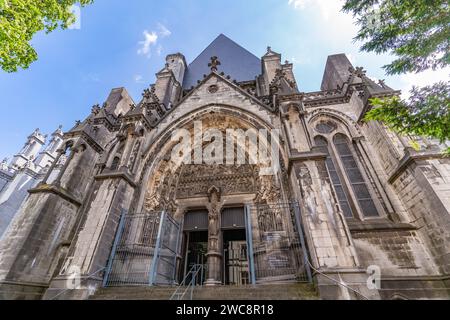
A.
pixel 214 254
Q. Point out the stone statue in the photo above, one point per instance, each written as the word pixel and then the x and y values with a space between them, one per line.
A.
pixel 213 216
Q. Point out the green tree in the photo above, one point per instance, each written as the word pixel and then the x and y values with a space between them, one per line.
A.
pixel 20 20
pixel 417 32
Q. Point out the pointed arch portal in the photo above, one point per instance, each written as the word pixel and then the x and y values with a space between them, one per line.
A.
pixel 224 216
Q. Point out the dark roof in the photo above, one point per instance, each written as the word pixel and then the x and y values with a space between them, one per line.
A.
pixel 237 62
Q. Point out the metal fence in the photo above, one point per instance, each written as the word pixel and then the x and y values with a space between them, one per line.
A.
pixel 146 246
pixel 144 251
pixel 236 269
pixel 279 248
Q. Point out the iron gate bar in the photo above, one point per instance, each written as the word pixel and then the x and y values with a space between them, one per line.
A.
pixel 116 242
pixel 177 249
pixel 152 271
pixel 170 225
pixel 278 251
pixel 302 240
pixel 250 244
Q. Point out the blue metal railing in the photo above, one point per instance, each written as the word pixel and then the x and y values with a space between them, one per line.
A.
pixel 192 276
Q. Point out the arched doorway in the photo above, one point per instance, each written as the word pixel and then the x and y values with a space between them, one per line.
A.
pixel 207 201
pixel 194 244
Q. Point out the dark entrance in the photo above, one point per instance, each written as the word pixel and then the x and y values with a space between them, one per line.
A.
pixel 195 243
pixel 197 247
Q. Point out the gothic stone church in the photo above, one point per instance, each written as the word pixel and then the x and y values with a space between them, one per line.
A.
pixel 352 212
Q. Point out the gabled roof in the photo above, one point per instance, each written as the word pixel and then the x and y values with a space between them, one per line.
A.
pixel 237 62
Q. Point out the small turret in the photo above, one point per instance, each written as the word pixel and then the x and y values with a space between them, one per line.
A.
pixel 177 64
pixel 169 80
pixel 46 157
pixel 30 150
pixel 271 62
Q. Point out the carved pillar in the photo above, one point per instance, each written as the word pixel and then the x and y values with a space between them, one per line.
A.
pixel 214 254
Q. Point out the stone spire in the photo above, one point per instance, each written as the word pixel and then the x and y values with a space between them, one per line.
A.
pixel 55 141
pixel 30 150
pixel 46 157
pixel 271 62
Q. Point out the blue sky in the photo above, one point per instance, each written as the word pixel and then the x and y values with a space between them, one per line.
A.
pixel 124 43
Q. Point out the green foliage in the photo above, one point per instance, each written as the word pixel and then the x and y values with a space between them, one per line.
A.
pixel 426 113
pixel 416 31
pixel 21 19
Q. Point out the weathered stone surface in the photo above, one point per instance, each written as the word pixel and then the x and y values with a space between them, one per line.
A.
pixel 371 201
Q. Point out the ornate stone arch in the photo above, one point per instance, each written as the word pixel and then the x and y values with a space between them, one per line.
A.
pixel 352 129
pixel 159 173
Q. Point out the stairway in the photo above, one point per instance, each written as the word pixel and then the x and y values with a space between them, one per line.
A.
pixel 297 291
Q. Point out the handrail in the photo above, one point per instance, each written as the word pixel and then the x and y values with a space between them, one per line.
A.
pixel 87 278
pixel 335 281
pixel 193 272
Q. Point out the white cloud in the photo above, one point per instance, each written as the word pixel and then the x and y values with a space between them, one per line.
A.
pixel 298 4
pixel 138 78
pixel 163 31
pixel 338 29
pixel 426 78
pixel 327 8
pixel 330 22
pixel 351 58
pixel 151 39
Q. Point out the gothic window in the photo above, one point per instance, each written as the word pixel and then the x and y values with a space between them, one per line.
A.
pixel 326 127
pixel 355 175
pixel 115 163
pixel 341 193
pixel 351 188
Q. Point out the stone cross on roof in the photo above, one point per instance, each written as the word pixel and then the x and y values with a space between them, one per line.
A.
pixel 214 63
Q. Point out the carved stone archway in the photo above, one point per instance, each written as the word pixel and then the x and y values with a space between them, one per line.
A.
pixel 209 185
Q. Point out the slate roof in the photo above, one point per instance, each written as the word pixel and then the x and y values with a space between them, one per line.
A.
pixel 235 61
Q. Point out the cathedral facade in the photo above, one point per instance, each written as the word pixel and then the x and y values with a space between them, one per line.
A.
pixel 226 174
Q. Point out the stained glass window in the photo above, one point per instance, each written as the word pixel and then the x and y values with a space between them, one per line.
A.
pixel 342 195
pixel 355 176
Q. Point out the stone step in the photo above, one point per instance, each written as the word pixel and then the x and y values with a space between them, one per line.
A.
pixel 297 291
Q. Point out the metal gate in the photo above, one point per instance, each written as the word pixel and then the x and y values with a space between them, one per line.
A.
pixel 279 249
pixel 144 250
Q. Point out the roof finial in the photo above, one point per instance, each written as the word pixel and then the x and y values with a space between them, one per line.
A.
pixel 214 63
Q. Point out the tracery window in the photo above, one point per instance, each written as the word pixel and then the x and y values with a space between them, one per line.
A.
pixel 346 176
pixel 355 176
pixel 341 194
